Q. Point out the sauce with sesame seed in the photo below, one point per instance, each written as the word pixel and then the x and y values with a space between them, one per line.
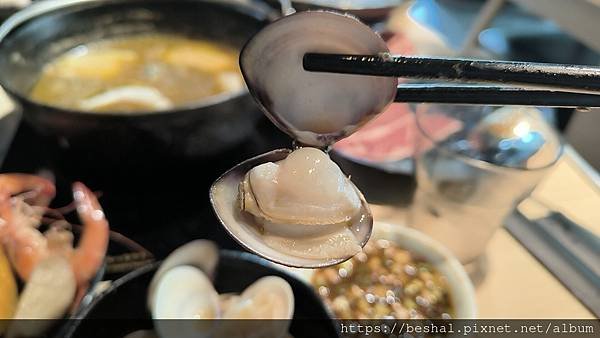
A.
pixel 382 282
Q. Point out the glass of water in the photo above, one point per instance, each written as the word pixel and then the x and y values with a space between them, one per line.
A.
pixel 473 165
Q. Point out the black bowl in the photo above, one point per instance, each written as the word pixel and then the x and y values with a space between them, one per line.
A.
pixel 122 308
pixel 39 33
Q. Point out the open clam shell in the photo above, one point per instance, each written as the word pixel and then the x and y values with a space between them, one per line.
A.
pixel 224 196
pixel 200 253
pixel 264 309
pixel 184 292
pixel 315 109
pixel 270 297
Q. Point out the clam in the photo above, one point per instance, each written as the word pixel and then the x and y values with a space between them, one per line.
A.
pixel 314 108
pixel 202 254
pixel 270 297
pixel 297 208
pixel 302 221
pixel 266 299
pixel 183 291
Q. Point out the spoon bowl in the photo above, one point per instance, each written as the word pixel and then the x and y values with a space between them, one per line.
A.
pixel 224 197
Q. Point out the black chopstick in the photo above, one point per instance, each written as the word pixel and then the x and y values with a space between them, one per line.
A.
pixel 494 95
pixel 572 78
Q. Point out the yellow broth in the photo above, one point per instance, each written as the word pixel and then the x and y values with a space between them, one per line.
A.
pixel 138 73
pixel 384 282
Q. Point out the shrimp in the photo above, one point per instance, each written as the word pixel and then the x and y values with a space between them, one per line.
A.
pixel 14 184
pixel 27 246
pixel 89 254
pixel 56 273
pixel 18 220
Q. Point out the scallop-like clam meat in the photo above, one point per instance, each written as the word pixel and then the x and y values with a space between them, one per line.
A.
pixel 304 204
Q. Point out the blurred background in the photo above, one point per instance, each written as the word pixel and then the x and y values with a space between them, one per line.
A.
pixel 534 254
pixel 542 31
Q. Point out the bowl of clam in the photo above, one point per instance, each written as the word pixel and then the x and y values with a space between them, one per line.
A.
pixel 202 291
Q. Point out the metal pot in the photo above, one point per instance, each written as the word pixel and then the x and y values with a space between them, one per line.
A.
pixel 39 33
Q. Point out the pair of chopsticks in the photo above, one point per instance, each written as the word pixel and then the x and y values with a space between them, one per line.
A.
pixel 508 83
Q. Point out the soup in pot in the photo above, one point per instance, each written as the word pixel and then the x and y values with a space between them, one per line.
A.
pixel 140 73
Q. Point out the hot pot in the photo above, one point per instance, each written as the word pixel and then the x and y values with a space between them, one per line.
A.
pixel 35 35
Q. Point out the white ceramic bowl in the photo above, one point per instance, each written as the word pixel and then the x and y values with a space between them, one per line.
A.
pixel 462 293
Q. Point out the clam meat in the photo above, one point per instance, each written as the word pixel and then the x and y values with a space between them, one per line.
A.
pixel 304 204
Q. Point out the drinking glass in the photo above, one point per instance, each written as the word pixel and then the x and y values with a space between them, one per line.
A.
pixel 474 164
